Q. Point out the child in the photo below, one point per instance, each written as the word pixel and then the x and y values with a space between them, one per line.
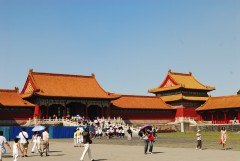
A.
pixel 199 140
pixel 16 148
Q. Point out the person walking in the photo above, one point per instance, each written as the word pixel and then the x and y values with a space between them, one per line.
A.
pixel 45 142
pixel 3 141
pixel 151 141
pixel 23 136
pixel 34 141
pixel 199 140
pixel 39 142
pixel 145 140
pixel 129 131
pixel 223 137
pixel 87 140
pixel 16 148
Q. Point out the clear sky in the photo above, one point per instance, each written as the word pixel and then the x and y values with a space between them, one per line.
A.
pixel 128 44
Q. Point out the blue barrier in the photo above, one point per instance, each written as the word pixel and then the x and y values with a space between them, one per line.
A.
pixel 5 130
pixel 63 131
pixel 55 132
pixel 15 130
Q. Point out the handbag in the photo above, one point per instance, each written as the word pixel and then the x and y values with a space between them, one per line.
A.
pixel 90 142
pixel 3 150
pixel 220 141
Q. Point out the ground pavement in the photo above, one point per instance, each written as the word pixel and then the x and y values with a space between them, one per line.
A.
pixel 63 150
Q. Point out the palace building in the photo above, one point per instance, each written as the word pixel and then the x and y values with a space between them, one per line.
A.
pixel 66 95
pixel 183 92
pixel 142 109
pixel 13 109
pixel 221 110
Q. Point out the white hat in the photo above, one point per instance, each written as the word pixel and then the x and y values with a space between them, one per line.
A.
pixel 198 130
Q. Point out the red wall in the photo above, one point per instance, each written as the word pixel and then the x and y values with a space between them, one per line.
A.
pixel 16 114
pixel 186 112
pixel 144 115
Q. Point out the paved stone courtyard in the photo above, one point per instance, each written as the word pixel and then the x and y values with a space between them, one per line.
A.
pixel 63 150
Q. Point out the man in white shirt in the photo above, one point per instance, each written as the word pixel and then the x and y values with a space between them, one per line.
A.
pixel 23 136
pixel 2 142
pixel 45 142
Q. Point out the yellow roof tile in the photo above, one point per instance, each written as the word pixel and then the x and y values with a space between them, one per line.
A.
pixel 12 98
pixel 63 85
pixel 178 97
pixel 221 102
pixel 180 80
pixel 141 102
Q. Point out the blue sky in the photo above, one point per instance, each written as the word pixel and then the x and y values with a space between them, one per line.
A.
pixel 128 44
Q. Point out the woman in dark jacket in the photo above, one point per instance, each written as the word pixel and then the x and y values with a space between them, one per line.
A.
pixel 87 140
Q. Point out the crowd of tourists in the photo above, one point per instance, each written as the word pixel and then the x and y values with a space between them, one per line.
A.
pixel 101 129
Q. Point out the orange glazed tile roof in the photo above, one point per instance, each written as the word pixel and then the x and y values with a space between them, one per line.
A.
pixel 222 102
pixel 141 102
pixel 182 97
pixel 12 98
pixel 63 85
pixel 180 80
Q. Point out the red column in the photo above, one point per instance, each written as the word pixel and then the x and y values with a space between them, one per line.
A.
pixel 217 117
pixel 225 117
pixel 212 118
pixel 47 116
pixel 229 116
pixel 102 108
pixel 86 116
pixel 37 112
pixel 238 116
pixel 65 111
pixel 109 112
pixel 200 117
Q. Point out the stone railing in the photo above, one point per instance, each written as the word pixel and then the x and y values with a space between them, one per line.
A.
pixel 57 121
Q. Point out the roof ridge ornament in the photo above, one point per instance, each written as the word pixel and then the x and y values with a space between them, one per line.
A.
pixel 30 70
pixel 17 89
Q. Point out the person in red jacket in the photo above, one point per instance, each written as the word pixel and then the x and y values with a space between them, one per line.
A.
pixel 151 141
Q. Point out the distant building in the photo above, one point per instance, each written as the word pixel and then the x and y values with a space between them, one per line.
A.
pixel 142 109
pixel 221 110
pixel 13 109
pixel 183 92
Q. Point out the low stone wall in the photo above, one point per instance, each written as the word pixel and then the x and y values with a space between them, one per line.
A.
pixel 215 128
pixel 175 127
pixel 144 122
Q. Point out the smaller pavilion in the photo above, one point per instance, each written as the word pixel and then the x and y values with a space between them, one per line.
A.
pixel 220 110
pixel 13 109
pixel 183 92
